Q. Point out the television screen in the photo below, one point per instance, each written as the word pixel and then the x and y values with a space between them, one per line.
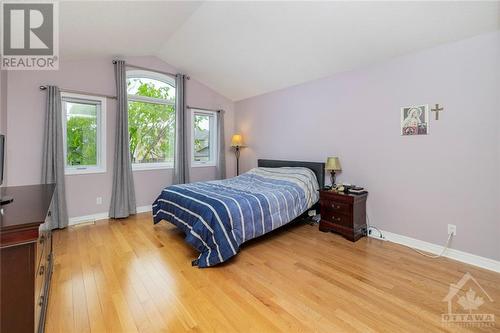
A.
pixel 2 143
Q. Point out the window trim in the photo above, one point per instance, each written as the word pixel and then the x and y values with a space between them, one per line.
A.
pixel 213 139
pixel 138 74
pixel 152 166
pixel 100 140
pixel 152 100
pixel 137 98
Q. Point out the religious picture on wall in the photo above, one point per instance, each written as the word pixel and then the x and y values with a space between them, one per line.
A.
pixel 415 120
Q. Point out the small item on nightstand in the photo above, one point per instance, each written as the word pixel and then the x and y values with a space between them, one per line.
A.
pixel 335 188
pixel 350 189
pixel 357 192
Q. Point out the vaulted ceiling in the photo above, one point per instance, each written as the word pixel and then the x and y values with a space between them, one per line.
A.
pixel 243 49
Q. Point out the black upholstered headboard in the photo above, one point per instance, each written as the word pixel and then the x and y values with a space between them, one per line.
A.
pixel 317 167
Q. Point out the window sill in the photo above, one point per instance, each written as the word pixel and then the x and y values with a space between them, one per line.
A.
pixel 139 167
pixel 203 165
pixel 75 172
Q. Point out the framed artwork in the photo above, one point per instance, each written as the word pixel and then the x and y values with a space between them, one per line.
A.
pixel 415 120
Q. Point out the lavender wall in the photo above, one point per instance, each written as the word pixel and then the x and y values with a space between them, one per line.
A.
pixel 417 184
pixel 3 110
pixel 3 101
pixel 25 107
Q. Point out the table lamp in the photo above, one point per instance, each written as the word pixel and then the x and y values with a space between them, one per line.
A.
pixel 237 144
pixel 333 164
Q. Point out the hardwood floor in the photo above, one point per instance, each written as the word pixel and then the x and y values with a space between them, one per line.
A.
pixel 130 276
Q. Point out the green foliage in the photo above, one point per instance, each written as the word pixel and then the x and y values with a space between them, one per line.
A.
pixel 151 127
pixel 81 140
pixel 149 90
pixel 199 144
pixel 197 122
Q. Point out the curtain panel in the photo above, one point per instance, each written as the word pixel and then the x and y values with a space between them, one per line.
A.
pixel 53 163
pixel 123 192
pixel 220 168
pixel 181 159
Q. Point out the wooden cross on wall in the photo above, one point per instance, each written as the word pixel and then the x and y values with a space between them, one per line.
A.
pixel 437 109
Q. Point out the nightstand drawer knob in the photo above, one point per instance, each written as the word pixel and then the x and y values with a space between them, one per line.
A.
pixel 335 218
pixel 334 206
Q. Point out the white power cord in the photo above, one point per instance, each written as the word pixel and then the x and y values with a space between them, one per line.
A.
pixel 432 256
pixel 369 226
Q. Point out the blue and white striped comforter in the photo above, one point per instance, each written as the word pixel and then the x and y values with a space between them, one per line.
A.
pixel 218 216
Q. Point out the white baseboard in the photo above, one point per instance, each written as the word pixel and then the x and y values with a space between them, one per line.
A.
pixel 461 256
pixel 101 216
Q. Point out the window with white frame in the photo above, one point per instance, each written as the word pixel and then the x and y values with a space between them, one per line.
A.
pixel 151 119
pixel 204 138
pixel 84 128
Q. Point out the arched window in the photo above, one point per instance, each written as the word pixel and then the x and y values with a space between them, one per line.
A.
pixel 151 119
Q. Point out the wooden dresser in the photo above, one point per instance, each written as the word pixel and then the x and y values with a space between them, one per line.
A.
pixel 26 258
pixel 344 214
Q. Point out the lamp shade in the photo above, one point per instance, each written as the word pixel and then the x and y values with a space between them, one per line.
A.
pixel 237 140
pixel 333 163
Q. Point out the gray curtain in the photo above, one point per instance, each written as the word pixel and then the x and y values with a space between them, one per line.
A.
pixel 53 157
pixel 181 159
pixel 220 168
pixel 123 192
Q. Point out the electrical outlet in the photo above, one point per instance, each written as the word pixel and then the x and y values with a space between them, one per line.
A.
pixel 98 200
pixel 452 229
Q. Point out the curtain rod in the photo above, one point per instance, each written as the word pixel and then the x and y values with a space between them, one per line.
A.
pixel 81 92
pixel 203 109
pixel 151 70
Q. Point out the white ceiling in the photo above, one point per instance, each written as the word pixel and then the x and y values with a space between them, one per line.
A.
pixel 243 49
pixel 119 28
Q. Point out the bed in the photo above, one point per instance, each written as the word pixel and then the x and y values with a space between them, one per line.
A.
pixel 218 216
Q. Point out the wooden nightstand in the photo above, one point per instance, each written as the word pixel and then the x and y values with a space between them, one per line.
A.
pixel 344 214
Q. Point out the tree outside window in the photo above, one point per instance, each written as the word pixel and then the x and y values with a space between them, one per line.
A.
pixel 151 119
pixel 85 137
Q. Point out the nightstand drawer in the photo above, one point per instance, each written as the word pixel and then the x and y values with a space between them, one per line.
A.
pixel 336 218
pixel 336 207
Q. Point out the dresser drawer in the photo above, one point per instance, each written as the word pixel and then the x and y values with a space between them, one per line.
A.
pixel 42 267
pixel 40 306
pixel 41 243
pixel 47 249
pixel 40 282
pixel 335 218
pixel 40 279
pixel 336 207
pixel 43 247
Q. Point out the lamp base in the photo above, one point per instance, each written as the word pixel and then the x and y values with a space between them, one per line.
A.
pixel 332 177
pixel 237 153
